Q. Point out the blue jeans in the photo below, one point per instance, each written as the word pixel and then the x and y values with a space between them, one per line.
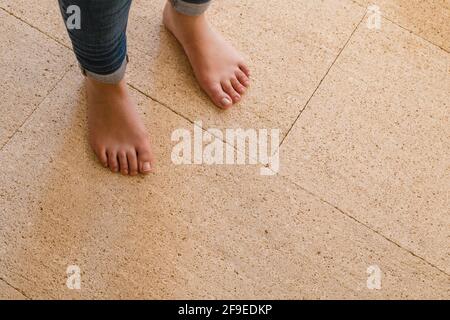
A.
pixel 97 29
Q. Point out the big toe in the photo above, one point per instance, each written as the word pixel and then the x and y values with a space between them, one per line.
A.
pixel 146 162
pixel 218 95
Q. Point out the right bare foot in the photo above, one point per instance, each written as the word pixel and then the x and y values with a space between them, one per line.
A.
pixel 116 133
pixel 218 67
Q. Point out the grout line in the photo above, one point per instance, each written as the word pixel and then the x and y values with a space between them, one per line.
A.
pixel 415 34
pixel 404 28
pixel 15 288
pixel 321 81
pixel 366 226
pixel 159 102
pixel 181 115
pixel 35 28
pixel 36 108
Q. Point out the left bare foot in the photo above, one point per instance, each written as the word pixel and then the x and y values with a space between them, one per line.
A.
pixel 218 67
pixel 116 133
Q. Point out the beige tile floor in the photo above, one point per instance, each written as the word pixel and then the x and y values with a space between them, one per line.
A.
pixel 365 163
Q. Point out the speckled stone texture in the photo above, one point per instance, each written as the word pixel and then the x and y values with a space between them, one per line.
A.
pixel 31 65
pixel 364 177
pixel 378 148
pixel 7 292
pixel 427 18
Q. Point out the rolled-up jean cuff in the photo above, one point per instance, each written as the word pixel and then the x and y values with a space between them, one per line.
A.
pixel 190 8
pixel 112 78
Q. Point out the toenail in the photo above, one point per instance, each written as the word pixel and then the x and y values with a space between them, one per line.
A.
pixel 146 167
pixel 226 101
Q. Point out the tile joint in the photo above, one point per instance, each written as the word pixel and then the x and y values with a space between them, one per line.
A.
pixel 367 226
pixel 15 288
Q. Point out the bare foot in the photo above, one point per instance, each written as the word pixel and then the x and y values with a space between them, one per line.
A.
pixel 116 132
pixel 218 67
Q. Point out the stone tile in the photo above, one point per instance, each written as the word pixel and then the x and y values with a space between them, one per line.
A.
pixel 31 65
pixel 184 232
pixel 427 18
pixel 375 139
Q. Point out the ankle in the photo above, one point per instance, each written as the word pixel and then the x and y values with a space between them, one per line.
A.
pixel 120 87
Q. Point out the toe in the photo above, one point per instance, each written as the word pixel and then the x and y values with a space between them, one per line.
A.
pixel 102 156
pixel 245 69
pixel 123 162
pixel 228 88
pixel 132 162
pixel 218 96
pixel 112 161
pixel 145 160
pixel 243 79
pixel 238 86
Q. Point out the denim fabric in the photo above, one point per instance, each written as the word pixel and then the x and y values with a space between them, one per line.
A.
pixel 100 42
